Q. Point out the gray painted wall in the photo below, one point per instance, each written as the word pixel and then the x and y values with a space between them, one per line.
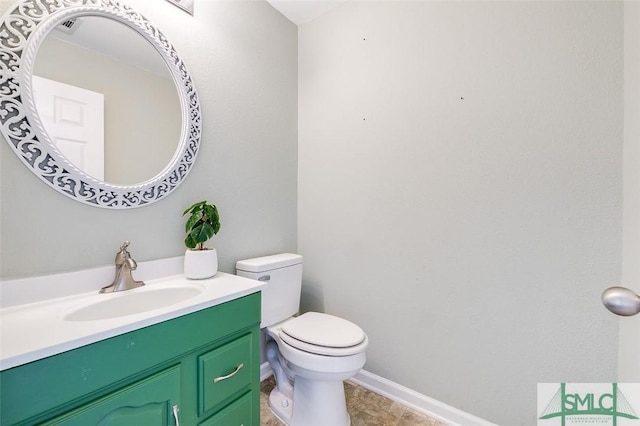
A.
pixel 460 191
pixel 629 350
pixel 243 59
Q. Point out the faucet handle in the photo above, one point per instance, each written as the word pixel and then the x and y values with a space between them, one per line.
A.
pixel 124 246
pixel 123 254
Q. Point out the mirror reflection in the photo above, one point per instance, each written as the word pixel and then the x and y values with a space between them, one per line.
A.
pixel 107 100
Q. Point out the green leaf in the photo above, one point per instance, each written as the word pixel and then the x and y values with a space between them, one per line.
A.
pixel 202 233
pixel 189 242
pixel 206 232
pixel 209 212
pixel 194 207
pixel 193 221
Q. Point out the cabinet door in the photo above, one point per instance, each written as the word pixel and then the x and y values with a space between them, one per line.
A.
pixel 149 402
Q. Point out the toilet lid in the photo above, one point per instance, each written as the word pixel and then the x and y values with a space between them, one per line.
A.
pixel 324 330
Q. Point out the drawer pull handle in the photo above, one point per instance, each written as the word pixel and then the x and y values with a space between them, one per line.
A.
pixel 230 375
pixel 175 414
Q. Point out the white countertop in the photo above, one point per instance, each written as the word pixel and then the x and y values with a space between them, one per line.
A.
pixel 38 329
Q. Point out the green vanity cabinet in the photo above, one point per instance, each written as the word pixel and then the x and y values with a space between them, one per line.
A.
pixel 203 365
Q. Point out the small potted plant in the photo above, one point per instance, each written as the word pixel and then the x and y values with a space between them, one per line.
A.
pixel 203 223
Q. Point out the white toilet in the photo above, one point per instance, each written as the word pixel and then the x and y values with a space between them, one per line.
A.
pixel 310 355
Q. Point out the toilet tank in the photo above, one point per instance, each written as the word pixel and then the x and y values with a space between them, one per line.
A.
pixel 282 274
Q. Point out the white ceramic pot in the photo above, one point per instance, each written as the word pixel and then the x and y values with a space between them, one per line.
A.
pixel 200 264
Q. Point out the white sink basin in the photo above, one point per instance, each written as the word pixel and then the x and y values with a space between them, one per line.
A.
pixel 131 302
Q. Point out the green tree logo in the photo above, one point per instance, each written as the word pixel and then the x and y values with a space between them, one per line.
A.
pixel 588 404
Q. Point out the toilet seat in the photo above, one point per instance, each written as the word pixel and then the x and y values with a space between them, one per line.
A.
pixel 323 334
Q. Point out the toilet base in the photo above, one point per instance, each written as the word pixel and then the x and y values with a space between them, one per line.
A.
pixel 315 403
pixel 281 405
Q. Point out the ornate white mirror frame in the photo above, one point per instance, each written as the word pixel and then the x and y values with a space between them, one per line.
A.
pixel 22 30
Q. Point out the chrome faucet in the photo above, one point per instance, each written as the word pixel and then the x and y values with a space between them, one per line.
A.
pixel 124 265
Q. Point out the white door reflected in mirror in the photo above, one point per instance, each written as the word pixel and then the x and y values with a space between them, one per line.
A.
pixel 74 120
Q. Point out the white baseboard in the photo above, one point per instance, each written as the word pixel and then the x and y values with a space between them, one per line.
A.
pixel 265 371
pixel 431 407
pixel 421 403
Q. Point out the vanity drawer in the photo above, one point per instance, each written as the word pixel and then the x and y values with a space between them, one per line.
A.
pixel 239 413
pixel 224 372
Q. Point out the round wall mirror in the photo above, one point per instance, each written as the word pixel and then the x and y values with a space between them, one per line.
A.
pixel 96 102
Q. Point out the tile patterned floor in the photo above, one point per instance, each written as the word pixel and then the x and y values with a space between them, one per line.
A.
pixel 365 407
